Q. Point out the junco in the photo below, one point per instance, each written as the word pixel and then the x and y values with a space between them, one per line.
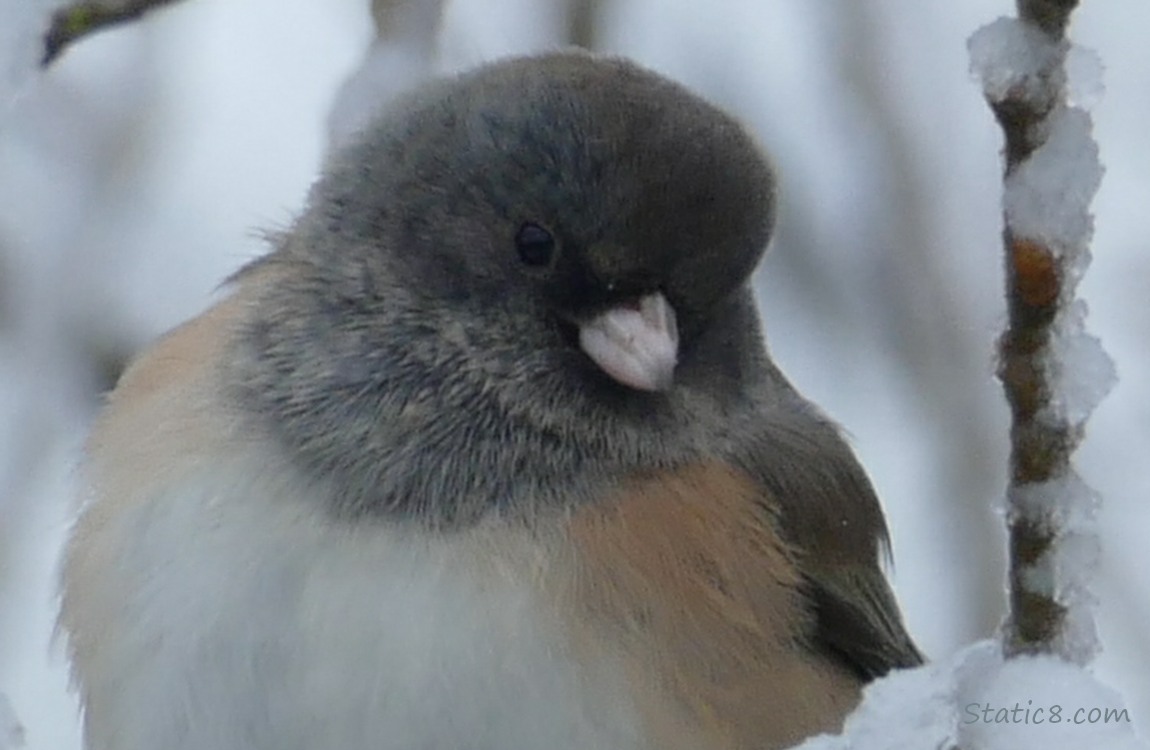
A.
pixel 486 454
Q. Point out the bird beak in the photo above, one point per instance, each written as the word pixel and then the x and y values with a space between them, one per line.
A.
pixel 636 344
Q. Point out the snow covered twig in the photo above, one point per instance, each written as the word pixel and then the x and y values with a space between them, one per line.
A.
pixel 1052 372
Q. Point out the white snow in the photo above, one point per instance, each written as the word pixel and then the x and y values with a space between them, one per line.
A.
pixel 1013 59
pixel 1048 196
pixel 1061 498
pixel 1084 77
pixel 1066 572
pixel 976 700
pixel 1076 560
pixel 1080 369
pixel 1036 703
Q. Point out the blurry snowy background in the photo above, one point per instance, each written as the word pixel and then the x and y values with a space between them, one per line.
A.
pixel 136 173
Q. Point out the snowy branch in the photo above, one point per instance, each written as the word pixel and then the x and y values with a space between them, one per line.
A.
pixel 1052 372
pixel 79 19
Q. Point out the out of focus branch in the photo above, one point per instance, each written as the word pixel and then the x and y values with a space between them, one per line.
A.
pixel 1051 16
pixel 582 22
pixel 79 19
pixel 398 20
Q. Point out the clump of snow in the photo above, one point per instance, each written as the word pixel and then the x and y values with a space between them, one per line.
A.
pixel 1016 60
pixel 1081 371
pixel 1077 555
pixel 1084 73
pixel 1069 501
pixel 11 732
pixel 1037 703
pixel 1048 195
pixel 976 700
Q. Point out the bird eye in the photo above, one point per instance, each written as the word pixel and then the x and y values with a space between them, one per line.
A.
pixel 535 244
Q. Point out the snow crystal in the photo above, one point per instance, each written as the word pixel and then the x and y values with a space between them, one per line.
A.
pixel 976 700
pixel 1015 59
pixel 1048 196
pixel 11 733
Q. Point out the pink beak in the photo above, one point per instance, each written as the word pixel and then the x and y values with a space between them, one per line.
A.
pixel 636 346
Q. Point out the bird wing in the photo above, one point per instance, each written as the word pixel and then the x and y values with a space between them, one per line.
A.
pixel 857 620
pixel 827 509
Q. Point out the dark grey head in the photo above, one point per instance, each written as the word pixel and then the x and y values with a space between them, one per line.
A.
pixel 533 266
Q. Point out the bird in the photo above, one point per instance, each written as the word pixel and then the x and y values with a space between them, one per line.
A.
pixel 487 452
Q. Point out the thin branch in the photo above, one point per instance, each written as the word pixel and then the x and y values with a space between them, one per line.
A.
pixel 411 20
pixel 77 20
pixel 1038 288
pixel 582 22
pixel 1052 16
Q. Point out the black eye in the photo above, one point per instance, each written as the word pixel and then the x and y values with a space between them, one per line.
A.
pixel 535 244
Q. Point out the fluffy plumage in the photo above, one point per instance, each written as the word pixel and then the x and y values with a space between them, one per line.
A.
pixel 487 453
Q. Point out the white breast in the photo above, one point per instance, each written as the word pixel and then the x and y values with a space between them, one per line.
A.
pixel 229 614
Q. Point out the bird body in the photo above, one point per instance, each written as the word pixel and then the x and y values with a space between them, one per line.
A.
pixel 475 461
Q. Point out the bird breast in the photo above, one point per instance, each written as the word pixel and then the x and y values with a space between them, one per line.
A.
pixel 211 601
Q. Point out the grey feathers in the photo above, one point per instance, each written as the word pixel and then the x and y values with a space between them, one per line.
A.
pixel 407 340
pixel 418 369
